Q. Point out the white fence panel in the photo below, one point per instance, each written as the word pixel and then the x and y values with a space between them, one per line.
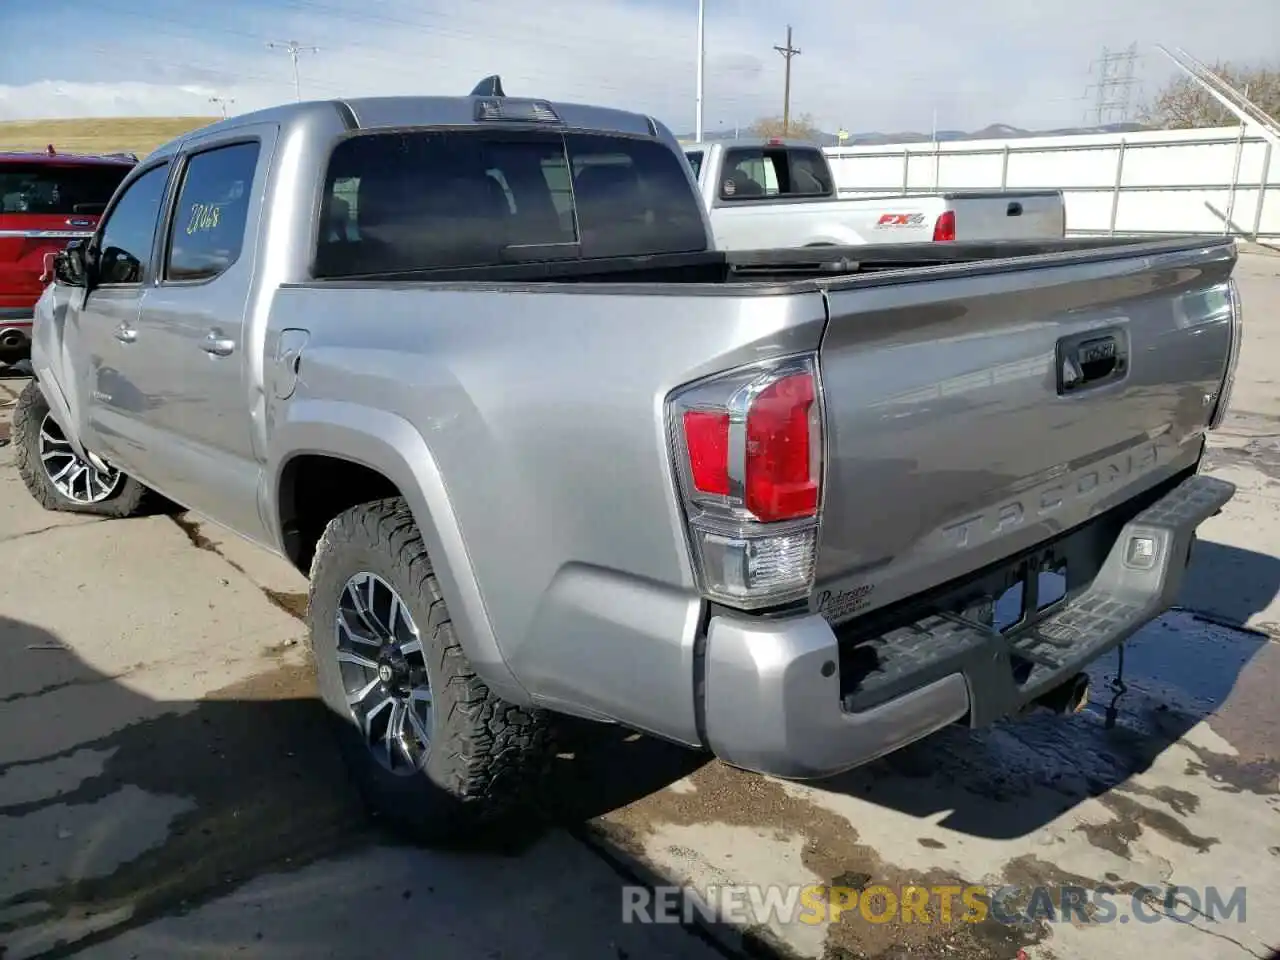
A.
pixel 1218 181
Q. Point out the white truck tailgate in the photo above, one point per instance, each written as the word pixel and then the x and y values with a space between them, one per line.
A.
pixel 1008 215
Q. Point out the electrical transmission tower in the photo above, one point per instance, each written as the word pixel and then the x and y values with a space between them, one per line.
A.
pixel 787 53
pixel 293 48
pixel 1115 86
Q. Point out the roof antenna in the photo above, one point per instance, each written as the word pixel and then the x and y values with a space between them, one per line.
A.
pixel 489 87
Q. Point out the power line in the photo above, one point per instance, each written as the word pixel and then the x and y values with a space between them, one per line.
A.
pixel 787 53
pixel 1115 86
pixel 223 103
pixel 293 48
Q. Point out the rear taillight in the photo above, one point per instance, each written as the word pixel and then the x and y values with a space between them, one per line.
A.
pixel 748 449
pixel 944 228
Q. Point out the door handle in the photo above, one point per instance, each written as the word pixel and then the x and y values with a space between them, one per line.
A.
pixel 126 334
pixel 218 346
pixel 1091 359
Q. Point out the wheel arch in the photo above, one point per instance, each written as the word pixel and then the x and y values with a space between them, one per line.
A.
pixel 334 455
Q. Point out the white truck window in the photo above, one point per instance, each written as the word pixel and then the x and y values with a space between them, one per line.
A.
pixel 782 171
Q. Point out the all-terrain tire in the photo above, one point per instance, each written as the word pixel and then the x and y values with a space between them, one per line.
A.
pixel 488 758
pixel 29 413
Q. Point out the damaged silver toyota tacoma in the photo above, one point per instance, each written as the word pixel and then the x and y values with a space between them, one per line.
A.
pixel 474 365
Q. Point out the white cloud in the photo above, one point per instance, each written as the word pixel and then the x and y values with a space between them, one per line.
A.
pixel 884 66
pixel 51 98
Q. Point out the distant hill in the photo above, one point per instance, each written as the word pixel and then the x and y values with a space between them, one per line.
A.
pixel 138 135
pixel 995 131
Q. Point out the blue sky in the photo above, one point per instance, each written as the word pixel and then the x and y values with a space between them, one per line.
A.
pixel 865 64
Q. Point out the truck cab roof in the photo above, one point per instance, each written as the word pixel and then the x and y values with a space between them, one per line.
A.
pixel 374 113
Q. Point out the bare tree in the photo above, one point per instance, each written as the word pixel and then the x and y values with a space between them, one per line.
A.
pixel 1183 103
pixel 802 127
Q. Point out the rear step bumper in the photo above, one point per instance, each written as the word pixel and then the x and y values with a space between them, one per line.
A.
pixel 773 696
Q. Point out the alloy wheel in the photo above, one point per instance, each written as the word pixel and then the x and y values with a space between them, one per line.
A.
pixel 74 477
pixel 384 673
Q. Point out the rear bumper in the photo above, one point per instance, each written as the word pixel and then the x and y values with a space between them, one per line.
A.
pixel 775 700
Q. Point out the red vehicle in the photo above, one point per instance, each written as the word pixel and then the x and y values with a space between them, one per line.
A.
pixel 46 199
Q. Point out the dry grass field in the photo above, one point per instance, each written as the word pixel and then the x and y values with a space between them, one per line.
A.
pixel 138 135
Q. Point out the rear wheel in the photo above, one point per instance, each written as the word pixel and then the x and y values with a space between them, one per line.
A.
pixel 56 476
pixel 431 748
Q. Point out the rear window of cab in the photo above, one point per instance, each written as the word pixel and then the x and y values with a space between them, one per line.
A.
pixel 403 201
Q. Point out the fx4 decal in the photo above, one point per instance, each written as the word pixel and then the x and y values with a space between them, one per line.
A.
pixel 899 220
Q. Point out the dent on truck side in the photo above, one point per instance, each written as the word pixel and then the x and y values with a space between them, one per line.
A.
pixel 51 362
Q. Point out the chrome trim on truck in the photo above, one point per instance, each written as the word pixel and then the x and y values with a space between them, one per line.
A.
pixel 46 234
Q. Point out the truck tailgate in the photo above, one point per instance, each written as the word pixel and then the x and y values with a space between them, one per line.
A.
pixel 1008 215
pixel 977 412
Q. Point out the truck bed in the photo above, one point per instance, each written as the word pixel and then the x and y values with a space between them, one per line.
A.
pixel 792 266
pixel 940 374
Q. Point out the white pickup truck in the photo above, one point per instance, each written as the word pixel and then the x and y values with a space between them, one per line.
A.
pixel 781 193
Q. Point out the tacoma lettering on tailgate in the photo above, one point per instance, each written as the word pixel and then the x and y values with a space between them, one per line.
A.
pixel 1088 484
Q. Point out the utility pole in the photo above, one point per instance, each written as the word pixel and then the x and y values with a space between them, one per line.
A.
pixel 702 59
pixel 1115 85
pixel 787 53
pixel 293 48
pixel 223 102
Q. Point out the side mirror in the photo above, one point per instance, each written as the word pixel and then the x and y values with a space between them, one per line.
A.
pixel 69 265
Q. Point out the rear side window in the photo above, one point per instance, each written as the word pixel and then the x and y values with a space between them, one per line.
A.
pixel 754 172
pixel 207 232
pixel 58 189
pixel 426 199
pixel 695 162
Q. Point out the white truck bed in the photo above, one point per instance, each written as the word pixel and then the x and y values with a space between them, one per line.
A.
pixel 776 193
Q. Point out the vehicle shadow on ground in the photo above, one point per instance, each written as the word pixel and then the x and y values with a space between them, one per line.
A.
pixel 1013 779
pixel 138 828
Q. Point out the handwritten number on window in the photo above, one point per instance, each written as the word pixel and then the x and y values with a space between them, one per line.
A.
pixel 203 217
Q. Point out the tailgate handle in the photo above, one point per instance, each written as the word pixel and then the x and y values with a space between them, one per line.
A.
pixel 1091 360
pixel 1015 209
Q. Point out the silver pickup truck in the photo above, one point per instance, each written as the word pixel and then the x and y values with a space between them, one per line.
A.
pixel 473 364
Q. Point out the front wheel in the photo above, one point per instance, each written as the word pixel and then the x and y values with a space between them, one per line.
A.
pixel 431 748
pixel 56 476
